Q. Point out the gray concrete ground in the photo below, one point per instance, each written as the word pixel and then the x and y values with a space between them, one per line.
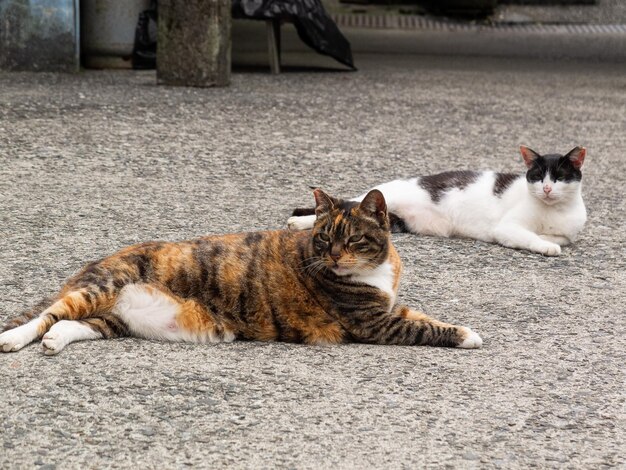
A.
pixel 600 12
pixel 93 162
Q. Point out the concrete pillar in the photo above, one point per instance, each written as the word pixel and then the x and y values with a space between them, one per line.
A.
pixel 194 41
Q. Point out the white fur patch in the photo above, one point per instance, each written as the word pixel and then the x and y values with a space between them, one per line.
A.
pixel 65 332
pixel 382 277
pixel 151 314
pixel 229 336
pixel 409 201
pixel 472 341
pixel 545 248
pixel 303 222
pixel 147 312
pixel 516 236
pixel 559 240
pixel 17 338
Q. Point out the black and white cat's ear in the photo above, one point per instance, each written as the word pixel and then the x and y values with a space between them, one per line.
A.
pixel 529 155
pixel 577 156
pixel 323 202
pixel 374 205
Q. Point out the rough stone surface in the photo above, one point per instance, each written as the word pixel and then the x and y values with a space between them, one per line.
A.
pixel 194 38
pixel 93 162
pixel 38 36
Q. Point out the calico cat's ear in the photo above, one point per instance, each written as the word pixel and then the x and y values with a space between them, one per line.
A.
pixel 374 205
pixel 577 156
pixel 529 155
pixel 323 202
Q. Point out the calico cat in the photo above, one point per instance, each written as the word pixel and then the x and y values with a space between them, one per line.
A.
pixel 334 284
pixel 540 211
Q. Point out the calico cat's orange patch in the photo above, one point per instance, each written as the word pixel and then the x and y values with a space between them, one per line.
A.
pixel 394 258
pixel 172 260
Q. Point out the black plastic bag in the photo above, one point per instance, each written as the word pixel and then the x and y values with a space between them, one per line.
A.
pixel 316 29
pixel 144 49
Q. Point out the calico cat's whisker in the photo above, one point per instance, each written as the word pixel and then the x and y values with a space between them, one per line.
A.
pixel 315 267
pixel 318 269
pixel 306 261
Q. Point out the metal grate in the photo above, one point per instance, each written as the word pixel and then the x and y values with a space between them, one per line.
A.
pixel 415 22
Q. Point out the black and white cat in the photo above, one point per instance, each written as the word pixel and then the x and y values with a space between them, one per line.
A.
pixel 540 211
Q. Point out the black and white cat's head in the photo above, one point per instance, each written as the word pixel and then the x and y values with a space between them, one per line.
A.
pixel 554 178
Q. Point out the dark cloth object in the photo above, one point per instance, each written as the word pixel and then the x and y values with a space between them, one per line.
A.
pixel 316 29
pixel 144 48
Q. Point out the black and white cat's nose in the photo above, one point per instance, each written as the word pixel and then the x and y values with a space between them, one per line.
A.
pixel 547 188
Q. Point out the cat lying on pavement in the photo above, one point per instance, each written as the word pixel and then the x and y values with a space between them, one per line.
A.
pixel 539 211
pixel 335 284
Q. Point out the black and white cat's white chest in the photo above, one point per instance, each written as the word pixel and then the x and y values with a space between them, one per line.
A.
pixel 565 219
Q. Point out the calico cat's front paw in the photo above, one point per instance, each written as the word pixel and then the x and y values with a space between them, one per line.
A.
pixel 471 339
pixel 546 248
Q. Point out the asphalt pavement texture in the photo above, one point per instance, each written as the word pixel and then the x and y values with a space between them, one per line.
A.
pixel 95 161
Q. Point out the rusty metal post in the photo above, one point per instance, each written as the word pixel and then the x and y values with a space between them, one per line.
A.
pixel 273 44
pixel 194 42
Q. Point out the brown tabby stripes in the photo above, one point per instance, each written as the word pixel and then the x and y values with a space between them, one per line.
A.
pixel 316 287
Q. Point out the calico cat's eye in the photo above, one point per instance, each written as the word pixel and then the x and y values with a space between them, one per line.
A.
pixel 355 239
pixel 322 236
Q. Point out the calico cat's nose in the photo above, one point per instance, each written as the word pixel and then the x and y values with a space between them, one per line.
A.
pixel 335 252
pixel 547 189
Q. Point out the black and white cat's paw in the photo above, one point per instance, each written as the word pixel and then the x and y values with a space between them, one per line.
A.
pixel 558 239
pixel 546 248
pixel 303 222
pixel 471 339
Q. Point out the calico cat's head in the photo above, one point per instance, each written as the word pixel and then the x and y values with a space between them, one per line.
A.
pixel 554 178
pixel 349 237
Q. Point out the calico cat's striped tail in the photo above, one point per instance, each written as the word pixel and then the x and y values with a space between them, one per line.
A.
pixel 28 315
pixel 396 224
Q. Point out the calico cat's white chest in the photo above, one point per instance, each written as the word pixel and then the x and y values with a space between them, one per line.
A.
pixel 383 278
